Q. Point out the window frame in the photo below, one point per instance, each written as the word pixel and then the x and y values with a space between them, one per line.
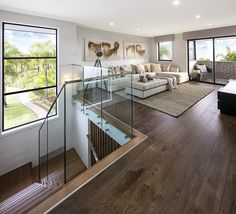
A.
pixel 29 58
pixel 159 55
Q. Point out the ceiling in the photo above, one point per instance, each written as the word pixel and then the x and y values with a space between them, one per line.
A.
pixel 152 17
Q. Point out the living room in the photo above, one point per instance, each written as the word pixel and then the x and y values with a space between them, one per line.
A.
pixel 169 80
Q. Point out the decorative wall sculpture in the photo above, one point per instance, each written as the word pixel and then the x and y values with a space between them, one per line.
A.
pixel 134 50
pixel 111 49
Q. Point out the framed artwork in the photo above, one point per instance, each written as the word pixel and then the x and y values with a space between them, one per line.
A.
pixel 111 49
pixel 135 50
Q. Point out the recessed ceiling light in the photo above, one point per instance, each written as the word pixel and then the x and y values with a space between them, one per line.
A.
pixel 210 24
pixel 138 29
pixel 111 23
pixel 197 16
pixel 176 2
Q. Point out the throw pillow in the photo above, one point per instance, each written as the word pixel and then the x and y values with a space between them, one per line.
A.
pixel 165 68
pixel 156 67
pixel 147 67
pixel 112 69
pixel 125 68
pixel 174 69
pixel 202 67
pixel 139 69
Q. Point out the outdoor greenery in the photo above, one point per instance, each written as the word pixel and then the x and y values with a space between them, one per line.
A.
pixel 165 50
pixel 25 71
pixel 22 74
pixel 204 59
pixel 16 113
pixel 164 53
pixel 230 55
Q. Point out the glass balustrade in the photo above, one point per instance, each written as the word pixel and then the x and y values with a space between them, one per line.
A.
pixel 91 117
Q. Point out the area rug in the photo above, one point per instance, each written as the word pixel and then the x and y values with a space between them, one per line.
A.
pixel 175 102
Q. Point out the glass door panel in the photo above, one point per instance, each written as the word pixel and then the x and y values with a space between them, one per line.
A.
pixel 204 60
pixel 225 59
pixel 200 54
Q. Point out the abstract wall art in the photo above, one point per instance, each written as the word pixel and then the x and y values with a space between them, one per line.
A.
pixel 135 50
pixel 111 49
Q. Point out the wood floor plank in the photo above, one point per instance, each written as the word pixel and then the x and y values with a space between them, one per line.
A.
pixel 187 165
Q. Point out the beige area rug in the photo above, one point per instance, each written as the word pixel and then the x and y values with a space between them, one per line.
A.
pixel 175 102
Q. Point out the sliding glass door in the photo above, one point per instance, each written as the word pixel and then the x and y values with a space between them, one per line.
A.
pixel 212 60
pixel 201 55
pixel 225 59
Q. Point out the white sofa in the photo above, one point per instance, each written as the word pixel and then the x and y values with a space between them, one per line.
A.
pixel 181 77
pixel 120 82
pixel 162 70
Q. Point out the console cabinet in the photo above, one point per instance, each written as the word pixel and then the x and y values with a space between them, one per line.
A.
pixel 227 98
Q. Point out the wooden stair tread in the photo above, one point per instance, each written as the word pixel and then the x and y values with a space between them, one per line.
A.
pixel 27 198
pixel 34 193
pixel 15 181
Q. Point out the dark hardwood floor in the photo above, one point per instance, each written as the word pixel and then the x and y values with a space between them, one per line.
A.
pixel 187 165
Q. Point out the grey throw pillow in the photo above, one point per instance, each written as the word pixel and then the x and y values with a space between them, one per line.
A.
pixel 202 68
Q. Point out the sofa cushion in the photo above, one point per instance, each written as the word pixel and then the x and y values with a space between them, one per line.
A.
pixel 165 68
pixel 139 69
pixel 174 69
pixel 180 76
pixel 143 86
pixel 155 67
pixel 202 67
pixel 147 67
pixel 125 68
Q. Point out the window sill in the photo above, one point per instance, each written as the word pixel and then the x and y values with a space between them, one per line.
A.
pixel 24 128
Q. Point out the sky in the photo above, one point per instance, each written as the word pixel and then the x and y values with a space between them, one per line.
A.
pixel 23 40
pixel 205 47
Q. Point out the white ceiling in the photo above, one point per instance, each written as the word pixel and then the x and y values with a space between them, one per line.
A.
pixel 153 17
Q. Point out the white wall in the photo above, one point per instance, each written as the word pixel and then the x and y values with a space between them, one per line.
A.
pixel 21 146
pixel 89 33
pixel 79 135
pixel 179 52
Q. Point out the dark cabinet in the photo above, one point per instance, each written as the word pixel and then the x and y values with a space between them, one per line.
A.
pixel 227 98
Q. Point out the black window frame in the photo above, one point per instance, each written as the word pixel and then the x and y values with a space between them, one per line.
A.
pixel 29 58
pixel 159 55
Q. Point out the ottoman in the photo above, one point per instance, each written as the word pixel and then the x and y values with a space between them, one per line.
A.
pixel 147 89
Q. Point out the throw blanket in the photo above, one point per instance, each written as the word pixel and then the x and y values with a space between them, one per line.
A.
pixel 172 83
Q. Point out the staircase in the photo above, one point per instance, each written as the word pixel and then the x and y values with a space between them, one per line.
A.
pixel 27 198
pixel 87 129
pixel 34 193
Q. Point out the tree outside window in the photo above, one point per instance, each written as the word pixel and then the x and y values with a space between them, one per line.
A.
pixel 29 73
pixel 165 51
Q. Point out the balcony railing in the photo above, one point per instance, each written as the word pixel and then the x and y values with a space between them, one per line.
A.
pixel 222 73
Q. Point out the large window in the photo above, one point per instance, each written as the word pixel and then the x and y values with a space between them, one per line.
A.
pixel 165 51
pixel 29 73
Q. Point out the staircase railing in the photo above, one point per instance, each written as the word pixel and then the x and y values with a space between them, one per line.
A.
pixel 91 116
